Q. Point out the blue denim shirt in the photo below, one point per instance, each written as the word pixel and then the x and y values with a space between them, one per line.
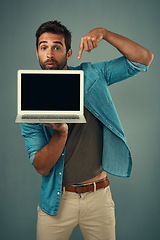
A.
pixel 116 156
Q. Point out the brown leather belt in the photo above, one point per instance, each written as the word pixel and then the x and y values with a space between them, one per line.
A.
pixel 88 188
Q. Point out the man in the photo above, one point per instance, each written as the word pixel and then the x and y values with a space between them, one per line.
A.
pixel 73 158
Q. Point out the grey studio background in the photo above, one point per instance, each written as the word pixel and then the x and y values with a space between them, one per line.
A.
pixel 137 101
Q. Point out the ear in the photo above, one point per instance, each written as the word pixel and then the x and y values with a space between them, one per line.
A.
pixel 69 54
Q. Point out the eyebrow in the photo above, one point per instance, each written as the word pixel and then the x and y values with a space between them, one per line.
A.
pixel 53 42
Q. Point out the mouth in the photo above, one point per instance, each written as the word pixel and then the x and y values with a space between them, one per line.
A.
pixel 50 64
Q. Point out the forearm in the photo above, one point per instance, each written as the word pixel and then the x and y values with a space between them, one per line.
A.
pixel 47 157
pixel 128 48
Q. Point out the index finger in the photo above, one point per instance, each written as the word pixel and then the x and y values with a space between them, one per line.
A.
pixel 80 49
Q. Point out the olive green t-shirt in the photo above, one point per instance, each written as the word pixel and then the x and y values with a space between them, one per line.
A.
pixel 83 157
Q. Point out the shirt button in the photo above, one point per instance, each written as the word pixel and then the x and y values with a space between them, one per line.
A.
pixel 62 154
pixel 60 173
pixel 58 193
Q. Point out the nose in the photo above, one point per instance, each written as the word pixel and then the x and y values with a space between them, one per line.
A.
pixel 49 53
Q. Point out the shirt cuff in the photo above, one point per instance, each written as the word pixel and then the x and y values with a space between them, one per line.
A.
pixel 138 66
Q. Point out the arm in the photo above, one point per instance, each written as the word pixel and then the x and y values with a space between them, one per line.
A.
pixel 131 50
pixel 47 157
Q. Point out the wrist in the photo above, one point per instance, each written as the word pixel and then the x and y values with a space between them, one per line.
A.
pixel 101 32
pixel 105 33
pixel 62 130
pixel 61 135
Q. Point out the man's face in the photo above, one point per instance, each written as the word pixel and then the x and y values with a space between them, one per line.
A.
pixel 51 52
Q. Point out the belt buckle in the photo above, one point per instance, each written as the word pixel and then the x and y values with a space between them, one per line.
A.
pixel 78 187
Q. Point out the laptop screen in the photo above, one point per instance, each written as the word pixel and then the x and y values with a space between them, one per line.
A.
pixel 50 92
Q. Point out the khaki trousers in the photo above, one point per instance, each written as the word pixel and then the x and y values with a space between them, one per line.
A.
pixel 93 212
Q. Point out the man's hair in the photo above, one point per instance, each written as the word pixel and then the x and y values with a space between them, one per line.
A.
pixel 54 27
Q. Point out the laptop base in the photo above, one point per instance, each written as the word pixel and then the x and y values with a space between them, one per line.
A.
pixel 81 119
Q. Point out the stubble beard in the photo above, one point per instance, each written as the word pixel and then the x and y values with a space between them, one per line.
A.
pixel 56 66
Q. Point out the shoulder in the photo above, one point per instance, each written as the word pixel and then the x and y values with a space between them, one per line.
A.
pixel 88 66
pixel 82 66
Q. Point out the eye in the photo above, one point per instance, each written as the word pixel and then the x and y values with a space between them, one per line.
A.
pixel 43 48
pixel 57 48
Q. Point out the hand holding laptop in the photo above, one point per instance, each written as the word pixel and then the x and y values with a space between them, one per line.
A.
pixel 60 127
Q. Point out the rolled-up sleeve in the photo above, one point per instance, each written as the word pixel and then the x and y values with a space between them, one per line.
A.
pixel 120 69
pixel 35 138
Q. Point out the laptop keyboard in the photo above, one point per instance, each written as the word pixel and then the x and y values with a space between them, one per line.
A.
pixel 50 117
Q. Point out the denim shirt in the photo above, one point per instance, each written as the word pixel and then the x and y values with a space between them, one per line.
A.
pixel 116 156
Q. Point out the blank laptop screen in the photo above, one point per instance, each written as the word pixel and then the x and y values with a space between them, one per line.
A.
pixel 50 92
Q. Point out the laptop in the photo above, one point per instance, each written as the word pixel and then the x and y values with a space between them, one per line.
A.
pixel 50 96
